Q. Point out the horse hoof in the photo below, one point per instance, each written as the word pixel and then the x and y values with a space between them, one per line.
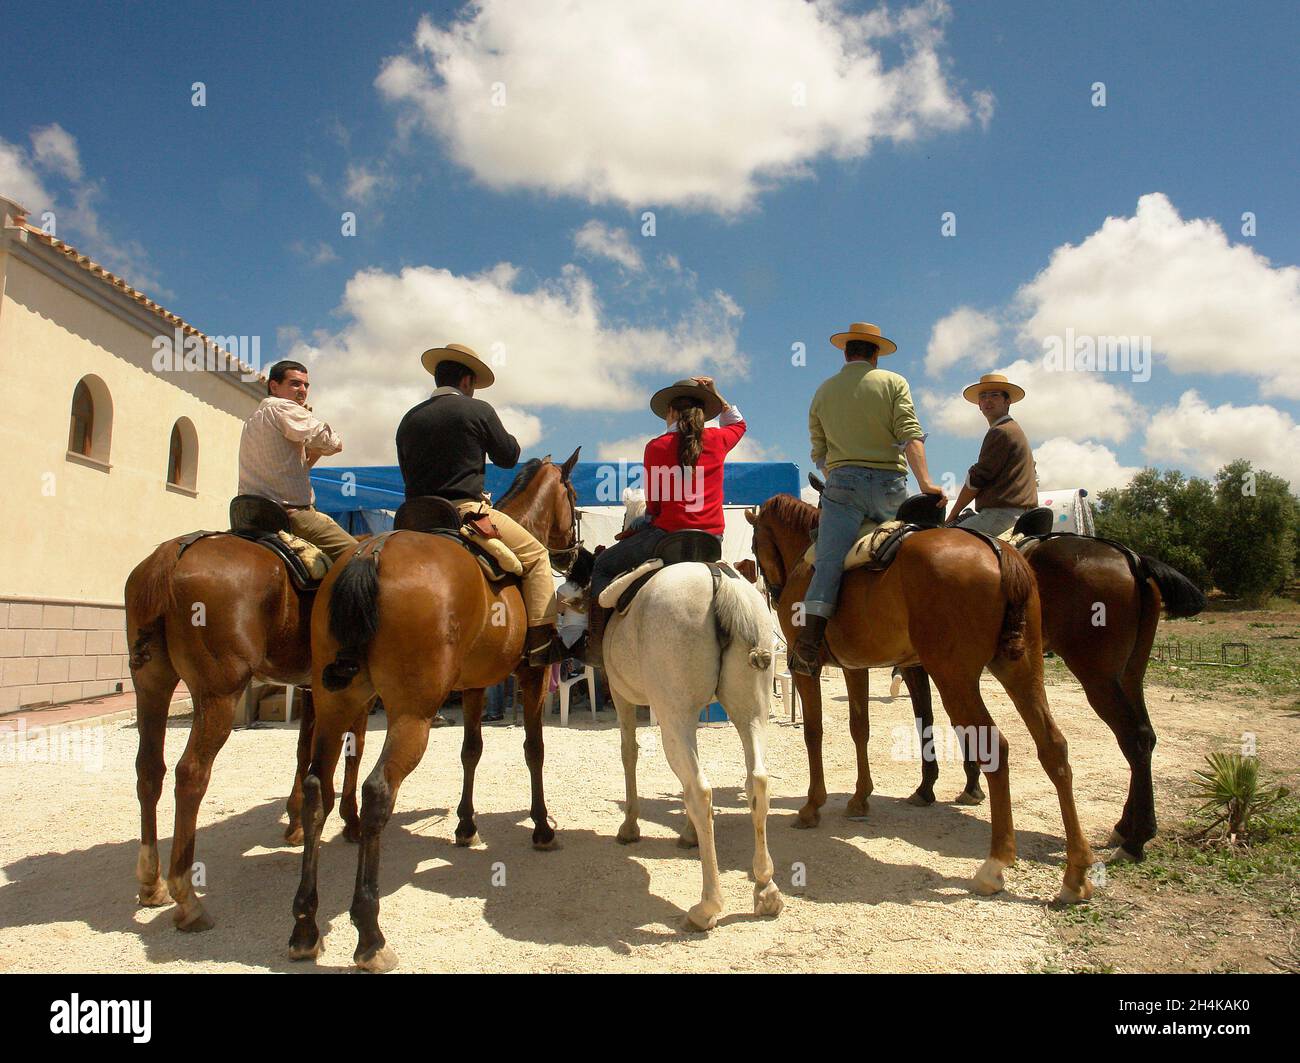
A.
pixel 807 820
pixel 968 798
pixel 352 833
pixel 627 835
pixel 1123 856
pixel 768 900
pixel 472 842
pixel 381 961
pixel 306 952
pixel 550 844
pixel 686 842
pixel 1115 839
pixel 195 923
pixel 702 917
pixel 155 897
pixel 1070 895
pixel 920 800
pixel 293 834
pixel 857 811
pixel 988 879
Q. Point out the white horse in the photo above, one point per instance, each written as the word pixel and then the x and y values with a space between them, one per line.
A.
pixel 679 647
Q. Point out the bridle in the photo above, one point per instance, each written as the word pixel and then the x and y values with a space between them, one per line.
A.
pixel 563 560
pixel 774 590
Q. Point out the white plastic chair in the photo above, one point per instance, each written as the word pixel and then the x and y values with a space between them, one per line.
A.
pixel 789 693
pixel 589 674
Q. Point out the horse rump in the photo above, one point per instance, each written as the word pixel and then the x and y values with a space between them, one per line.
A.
pixel 149 595
pixel 1017 586
pixel 738 622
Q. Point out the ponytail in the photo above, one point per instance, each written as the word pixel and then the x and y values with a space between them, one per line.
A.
pixel 690 441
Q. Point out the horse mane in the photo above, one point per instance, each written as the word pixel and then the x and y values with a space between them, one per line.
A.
pixel 794 512
pixel 520 483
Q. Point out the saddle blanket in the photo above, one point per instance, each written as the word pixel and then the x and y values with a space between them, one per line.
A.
pixel 863 552
pixel 313 558
pixel 610 595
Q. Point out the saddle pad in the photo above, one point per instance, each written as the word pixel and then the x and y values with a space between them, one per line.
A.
pixel 610 595
pixel 313 558
pixel 863 552
pixel 505 558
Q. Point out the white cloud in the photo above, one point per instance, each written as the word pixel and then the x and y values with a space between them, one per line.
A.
pixel 599 240
pixel 318 254
pixel 56 149
pixel 363 182
pixel 965 335
pixel 1199 438
pixel 1209 306
pixel 19 180
pixel 1063 463
pixel 672 102
pixel 1080 405
pixel 551 345
pixel 525 427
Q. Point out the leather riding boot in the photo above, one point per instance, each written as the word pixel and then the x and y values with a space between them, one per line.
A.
pixel 593 645
pixel 805 657
pixel 541 646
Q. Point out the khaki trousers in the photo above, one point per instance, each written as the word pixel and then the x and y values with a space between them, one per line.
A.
pixel 318 528
pixel 538 584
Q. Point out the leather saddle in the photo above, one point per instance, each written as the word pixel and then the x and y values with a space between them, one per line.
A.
pixel 259 520
pixel 435 515
pixel 1036 521
pixel 677 548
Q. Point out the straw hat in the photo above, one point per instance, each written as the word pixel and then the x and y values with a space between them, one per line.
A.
pixel 458 352
pixel 868 333
pixel 993 382
pixel 663 398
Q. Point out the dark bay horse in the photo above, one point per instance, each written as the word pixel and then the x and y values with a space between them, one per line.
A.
pixel 214 616
pixel 1101 607
pixel 411 617
pixel 949 604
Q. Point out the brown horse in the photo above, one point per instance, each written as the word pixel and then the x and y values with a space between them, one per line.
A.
pixel 215 616
pixel 1101 607
pixel 411 626
pixel 949 604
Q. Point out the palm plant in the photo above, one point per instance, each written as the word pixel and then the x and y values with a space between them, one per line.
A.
pixel 1232 793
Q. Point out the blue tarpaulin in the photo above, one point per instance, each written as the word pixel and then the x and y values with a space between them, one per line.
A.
pixel 354 493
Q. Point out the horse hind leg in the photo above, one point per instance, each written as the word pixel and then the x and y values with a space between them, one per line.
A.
pixel 629 831
pixel 471 750
pixel 752 727
pixel 1023 682
pixel 354 744
pixel 408 735
pixel 155 682
pixel 855 681
pixel 677 727
pixel 213 717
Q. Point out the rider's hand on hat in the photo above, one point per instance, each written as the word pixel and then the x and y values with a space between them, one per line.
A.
pixel 707 383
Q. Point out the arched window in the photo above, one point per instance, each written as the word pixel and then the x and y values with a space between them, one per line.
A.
pixel 83 420
pixel 183 456
pixel 90 428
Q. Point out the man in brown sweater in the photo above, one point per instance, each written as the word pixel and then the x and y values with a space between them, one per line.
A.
pixel 1003 483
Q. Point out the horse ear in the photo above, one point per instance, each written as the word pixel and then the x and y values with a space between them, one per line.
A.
pixel 567 467
pixel 751 514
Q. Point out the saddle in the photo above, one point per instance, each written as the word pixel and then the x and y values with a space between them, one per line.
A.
pixel 674 549
pixel 261 521
pixel 434 515
pixel 878 544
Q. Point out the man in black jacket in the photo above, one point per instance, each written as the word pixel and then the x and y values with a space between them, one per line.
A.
pixel 441 448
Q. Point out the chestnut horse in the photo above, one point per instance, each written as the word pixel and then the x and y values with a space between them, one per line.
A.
pixel 411 617
pixel 949 604
pixel 1101 607
pixel 215 616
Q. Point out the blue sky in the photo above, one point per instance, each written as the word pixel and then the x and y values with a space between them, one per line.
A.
pixel 230 213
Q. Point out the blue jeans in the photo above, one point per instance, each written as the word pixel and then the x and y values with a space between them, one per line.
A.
pixel 624 556
pixel 852 495
pixel 993 521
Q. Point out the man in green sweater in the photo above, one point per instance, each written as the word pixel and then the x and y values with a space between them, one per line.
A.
pixel 1003 483
pixel 864 435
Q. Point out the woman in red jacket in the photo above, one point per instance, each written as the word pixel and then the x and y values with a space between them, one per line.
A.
pixel 683 485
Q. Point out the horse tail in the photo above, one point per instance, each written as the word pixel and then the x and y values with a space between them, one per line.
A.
pixel 737 622
pixel 1181 596
pixel 353 619
pixel 150 594
pixel 1017 587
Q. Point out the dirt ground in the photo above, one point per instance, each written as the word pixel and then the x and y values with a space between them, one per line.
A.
pixel 888 894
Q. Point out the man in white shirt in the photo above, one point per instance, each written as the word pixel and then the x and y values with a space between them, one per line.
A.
pixel 279 445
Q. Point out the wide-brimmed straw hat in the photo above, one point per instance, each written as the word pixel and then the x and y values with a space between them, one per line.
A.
pixel 663 398
pixel 458 352
pixel 993 382
pixel 867 333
